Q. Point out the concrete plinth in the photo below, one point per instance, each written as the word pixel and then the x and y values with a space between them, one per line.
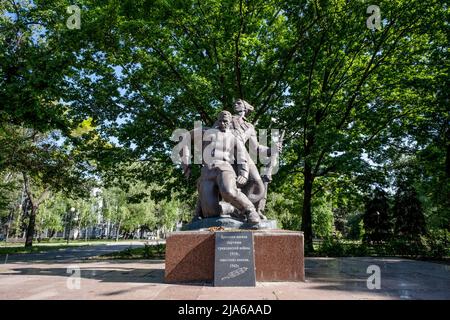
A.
pixel 279 256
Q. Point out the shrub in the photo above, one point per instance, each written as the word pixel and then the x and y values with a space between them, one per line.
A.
pixel 331 247
pixel 433 246
pixel 437 244
pixel 154 251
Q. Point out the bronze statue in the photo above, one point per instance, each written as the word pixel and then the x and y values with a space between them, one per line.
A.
pixel 258 184
pixel 230 184
pixel 222 173
pixel 255 189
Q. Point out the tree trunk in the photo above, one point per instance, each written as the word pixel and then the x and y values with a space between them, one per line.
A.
pixel 447 156
pixel 8 226
pixel 118 230
pixel 7 234
pixel 306 214
pixel 79 230
pixel 31 226
pixel 108 236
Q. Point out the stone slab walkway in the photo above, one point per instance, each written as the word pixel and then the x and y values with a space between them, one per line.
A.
pixel 327 278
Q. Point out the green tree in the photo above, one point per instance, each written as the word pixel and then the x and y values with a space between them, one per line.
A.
pixel 323 217
pixel 87 213
pixel 33 76
pixel 355 227
pixel 408 213
pixel 115 206
pixel 11 195
pixel 32 67
pixel 377 220
pixel 139 70
pixel 51 215
pixel 313 65
pixel 43 165
pixel 282 209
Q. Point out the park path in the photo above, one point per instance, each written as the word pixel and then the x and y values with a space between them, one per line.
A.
pixel 326 278
pixel 70 253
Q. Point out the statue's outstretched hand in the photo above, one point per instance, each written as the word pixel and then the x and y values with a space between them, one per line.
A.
pixel 241 180
pixel 279 146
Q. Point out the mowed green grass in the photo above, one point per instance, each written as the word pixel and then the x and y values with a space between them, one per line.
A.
pixel 155 251
pixel 19 248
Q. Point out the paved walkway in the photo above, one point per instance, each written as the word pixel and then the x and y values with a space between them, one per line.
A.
pixel 327 278
pixel 70 253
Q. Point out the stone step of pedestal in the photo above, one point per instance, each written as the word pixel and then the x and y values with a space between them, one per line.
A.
pixel 279 256
pixel 227 223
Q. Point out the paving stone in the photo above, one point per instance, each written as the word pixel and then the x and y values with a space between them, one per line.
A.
pixel 326 278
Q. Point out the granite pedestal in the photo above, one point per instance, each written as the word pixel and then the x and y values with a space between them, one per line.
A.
pixel 279 256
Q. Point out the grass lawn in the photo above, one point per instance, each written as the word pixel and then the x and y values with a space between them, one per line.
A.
pixel 13 248
pixel 156 251
pixel 20 248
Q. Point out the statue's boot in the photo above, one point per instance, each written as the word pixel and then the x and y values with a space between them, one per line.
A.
pixel 253 217
pixel 261 216
pixel 226 209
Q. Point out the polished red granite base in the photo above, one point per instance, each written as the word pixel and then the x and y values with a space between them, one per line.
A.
pixel 279 256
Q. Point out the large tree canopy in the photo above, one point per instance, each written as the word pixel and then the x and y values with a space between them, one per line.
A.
pixel 353 101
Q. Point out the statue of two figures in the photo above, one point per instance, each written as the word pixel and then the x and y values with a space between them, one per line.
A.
pixel 230 186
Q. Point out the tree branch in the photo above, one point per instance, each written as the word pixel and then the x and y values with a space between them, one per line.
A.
pixel 237 64
pixel 197 104
pixel 26 184
pixel 43 196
